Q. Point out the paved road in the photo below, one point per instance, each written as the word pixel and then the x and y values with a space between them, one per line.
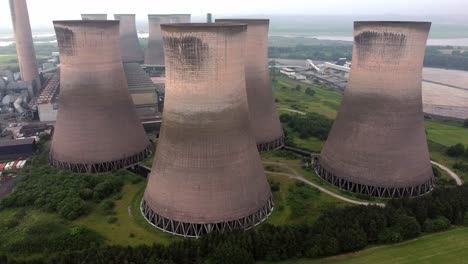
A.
pixel 293 111
pixel 295 175
pixel 452 174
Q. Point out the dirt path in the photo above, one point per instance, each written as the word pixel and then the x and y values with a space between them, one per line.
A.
pixel 452 174
pixel 295 175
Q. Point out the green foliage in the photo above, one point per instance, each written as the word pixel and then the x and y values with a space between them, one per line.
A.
pixel 456 150
pixel 436 225
pixel 298 194
pixel 309 91
pixel 309 125
pixel 408 226
pixel 390 236
pixel 465 123
pixel 298 88
pixel 231 254
pixel 68 194
pixel 275 186
pixel 462 166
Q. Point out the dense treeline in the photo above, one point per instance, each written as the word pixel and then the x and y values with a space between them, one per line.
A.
pixel 433 57
pixel 308 125
pixel 70 195
pixel 337 230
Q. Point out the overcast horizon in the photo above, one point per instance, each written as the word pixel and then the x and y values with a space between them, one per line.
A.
pixel 42 13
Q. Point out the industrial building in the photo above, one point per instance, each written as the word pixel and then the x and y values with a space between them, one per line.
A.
pixel 24 44
pixel 17 148
pixel 47 102
pixel 97 129
pixel 94 16
pixel 207 174
pixel 263 115
pixel 377 145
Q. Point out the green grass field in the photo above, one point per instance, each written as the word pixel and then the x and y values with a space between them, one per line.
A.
pixel 131 228
pixel 311 202
pixel 446 133
pixel 446 247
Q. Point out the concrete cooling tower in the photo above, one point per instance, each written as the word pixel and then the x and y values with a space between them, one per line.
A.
pixel 377 145
pixel 155 51
pixel 97 129
pixel 24 44
pixel 129 43
pixel 94 16
pixel 180 18
pixel 207 174
pixel 263 115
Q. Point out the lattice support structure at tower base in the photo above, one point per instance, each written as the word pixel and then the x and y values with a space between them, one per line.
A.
pixel 197 230
pixel 375 191
pixel 272 145
pixel 103 166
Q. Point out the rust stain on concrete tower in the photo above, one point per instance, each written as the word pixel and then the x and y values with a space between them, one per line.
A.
pixel 263 115
pixel 129 43
pixel 94 16
pixel 378 145
pixel 24 44
pixel 207 174
pixel 97 129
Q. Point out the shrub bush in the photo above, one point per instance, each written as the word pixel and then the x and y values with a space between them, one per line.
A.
pixel 436 225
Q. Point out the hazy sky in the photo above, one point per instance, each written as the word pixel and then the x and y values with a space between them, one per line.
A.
pixel 42 12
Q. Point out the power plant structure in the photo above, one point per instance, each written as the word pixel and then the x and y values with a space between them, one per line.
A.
pixel 180 18
pixel 377 145
pixel 155 51
pixel 207 174
pixel 97 129
pixel 130 45
pixel 24 44
pixel 94 16
pixel 263 115
pixel 141 88
pixel 209 18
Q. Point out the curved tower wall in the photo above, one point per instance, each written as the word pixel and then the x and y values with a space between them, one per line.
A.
pixel 97 129
pixel 207 174
pixel 155 51
pixel 263 114
pixel 24 44
pixel 129 43
pixel 94 16
pixel 377 145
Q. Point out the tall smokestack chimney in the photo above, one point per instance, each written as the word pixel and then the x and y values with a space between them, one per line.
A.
pixel 207 174
pixel 155 51
pixel 24 44
pixel 377 145
pixel 97 129
pixel 94 16
pixel 263 115
pixel 209 18
pixel 130 45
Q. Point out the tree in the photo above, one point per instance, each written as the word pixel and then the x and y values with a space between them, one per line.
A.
pixel 309 91
pixel 465 123
pixel 456 150
pixel 231 254
pixel 298 88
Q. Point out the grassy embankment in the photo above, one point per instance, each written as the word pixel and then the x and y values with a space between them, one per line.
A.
pixel 445 247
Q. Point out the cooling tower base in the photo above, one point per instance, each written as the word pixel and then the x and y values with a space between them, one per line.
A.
pixel 197 230
pixel 380 192
pixel 101 167
pixel 272 145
